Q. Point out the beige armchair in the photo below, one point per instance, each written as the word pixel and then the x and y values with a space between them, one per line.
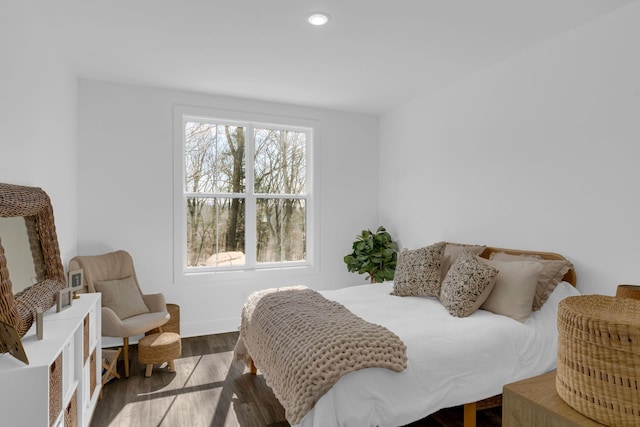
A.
pixel 126 312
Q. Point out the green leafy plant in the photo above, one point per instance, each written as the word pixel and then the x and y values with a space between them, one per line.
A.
pixel 375 254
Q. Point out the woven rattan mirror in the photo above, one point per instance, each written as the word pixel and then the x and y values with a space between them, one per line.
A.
pixel 34 205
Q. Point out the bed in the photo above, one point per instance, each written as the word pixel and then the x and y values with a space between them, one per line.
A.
pixel 450 361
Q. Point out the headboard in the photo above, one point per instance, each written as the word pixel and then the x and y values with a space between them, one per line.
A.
pixel 570 277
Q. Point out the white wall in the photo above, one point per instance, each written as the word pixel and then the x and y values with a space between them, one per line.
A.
pixel 538 152
pixel 38 95
pixel 125 193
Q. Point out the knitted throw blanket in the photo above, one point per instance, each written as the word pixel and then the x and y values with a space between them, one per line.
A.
pixel 303 343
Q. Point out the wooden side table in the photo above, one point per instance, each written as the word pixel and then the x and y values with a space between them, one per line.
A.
pixel 628 291
pixel 534 402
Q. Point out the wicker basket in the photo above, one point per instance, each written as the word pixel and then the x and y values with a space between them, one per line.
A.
pixel 599 358
pixel 172 325
pixel 55 389
pixel 71 413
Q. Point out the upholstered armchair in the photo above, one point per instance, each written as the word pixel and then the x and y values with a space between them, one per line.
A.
pixel 126 312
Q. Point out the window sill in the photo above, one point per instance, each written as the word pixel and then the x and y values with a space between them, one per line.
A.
pixel 259 273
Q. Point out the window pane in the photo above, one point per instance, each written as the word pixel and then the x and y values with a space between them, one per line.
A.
pixel 215 231
pixel 280 162
pixel 214 158
pixel 281 230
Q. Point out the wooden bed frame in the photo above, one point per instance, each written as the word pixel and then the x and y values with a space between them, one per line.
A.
pixel 570 277
pixel 470 409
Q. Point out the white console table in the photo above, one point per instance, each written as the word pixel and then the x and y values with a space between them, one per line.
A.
pixel 61 384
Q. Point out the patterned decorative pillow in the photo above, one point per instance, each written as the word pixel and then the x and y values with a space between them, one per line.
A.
pixel 418 271
pixel 515 288
pixel 467 285
pixel 452 251
pixel 552 273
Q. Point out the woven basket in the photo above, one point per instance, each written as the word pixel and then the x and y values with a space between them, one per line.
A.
pixel 71 413
pixel 55 389
pixel 172 325
pixel 599 358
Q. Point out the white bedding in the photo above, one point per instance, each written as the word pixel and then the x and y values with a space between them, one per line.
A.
pixel 451 361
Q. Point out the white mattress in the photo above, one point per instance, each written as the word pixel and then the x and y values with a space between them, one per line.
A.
pixel 451 361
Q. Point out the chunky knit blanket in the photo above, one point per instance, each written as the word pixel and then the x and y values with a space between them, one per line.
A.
pixel 303 343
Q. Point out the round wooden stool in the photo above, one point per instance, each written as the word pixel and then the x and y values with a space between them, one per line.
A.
pixel 159 348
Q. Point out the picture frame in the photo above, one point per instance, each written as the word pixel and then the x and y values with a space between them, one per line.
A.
pixel 64 299
pixel 76 281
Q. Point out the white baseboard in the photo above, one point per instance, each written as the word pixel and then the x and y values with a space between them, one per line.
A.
pixel 193 329
pixel 220 326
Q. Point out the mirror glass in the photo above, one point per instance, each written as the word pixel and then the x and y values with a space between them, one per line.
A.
pixel 17 250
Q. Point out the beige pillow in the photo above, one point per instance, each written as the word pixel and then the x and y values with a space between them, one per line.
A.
pixel 552 273
pixel 122 296
pixel 418 271
pixel 452 251
pixel 467 285
pixel 515 287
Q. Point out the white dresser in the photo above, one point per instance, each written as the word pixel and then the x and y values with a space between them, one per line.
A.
pixel 61 384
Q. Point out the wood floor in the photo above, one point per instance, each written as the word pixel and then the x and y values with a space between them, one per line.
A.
pixel 209 389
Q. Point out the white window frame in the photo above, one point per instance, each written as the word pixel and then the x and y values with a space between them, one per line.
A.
pixel 184 274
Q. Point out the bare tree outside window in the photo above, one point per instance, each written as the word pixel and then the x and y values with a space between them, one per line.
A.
pixel 217 194
pixel 214 165
pixel 280 168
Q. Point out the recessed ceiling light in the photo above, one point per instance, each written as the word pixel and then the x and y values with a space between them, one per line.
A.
pixel 318 18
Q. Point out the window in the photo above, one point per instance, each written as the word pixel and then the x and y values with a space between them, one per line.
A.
pixel 243 192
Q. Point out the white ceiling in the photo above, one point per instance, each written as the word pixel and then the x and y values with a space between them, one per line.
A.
pixel 372 56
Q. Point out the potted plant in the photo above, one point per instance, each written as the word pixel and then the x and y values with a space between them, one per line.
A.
pixel 375 254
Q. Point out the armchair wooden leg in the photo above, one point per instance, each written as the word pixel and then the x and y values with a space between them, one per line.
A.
pixel 125 346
